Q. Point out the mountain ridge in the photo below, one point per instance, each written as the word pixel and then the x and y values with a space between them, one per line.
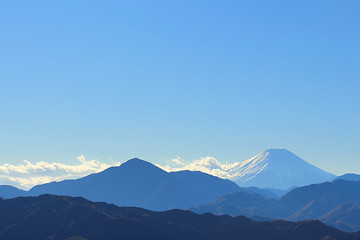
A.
pixel 60 217
pixel 336 203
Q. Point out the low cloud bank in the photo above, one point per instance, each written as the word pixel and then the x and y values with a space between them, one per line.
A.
pixel 28 174
pixel 205 164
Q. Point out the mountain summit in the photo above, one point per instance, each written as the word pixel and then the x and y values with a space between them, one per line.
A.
pixel 278 168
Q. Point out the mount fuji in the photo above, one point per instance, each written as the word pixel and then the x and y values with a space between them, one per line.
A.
pixel 277 168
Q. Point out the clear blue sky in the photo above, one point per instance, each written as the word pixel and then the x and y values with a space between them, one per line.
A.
pixel 160 79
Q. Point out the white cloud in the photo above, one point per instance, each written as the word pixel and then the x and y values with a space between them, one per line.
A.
pixel 205 164
pixel 177 161
pixel 29 174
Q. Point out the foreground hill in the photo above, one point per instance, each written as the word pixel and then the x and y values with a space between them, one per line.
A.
pixel 335 203
pixel 277 168
pixel 58 217
pixel 142 184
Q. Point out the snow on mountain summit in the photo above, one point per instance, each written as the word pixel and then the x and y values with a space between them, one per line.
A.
pixel 277 168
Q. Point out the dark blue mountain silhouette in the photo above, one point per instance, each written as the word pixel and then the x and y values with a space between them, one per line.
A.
pixel 7 191
pixel 59 217
pixel 245 204
pixel 336 203
pixel 334 193
pixel 344 216
pixel 142 184
pixel 206 184
pixel 266 192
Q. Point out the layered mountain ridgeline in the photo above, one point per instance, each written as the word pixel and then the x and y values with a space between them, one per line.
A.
pixel 335 203
pixel 58 217
pixel 142 184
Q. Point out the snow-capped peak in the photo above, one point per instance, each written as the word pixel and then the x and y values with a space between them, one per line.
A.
pixel 277 168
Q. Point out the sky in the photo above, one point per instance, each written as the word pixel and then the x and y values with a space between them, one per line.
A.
pixel 160 80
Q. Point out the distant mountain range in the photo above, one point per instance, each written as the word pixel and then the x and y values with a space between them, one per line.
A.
pixel 142 184
pixel 276 170
pixel 279 169
pixel 59 217
pixel 138 183
pixel 335 203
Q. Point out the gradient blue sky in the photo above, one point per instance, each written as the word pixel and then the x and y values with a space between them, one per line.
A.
pixel 160 79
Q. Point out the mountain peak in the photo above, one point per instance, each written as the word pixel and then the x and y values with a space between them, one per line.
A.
pixel 140 167
pixel 278 168
pixel 277 151
pixel 277 156
pixel 136 162
pixel 131 167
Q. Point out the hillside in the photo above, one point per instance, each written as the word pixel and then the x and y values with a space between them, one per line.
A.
pixel 335 203
pixel 58 217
